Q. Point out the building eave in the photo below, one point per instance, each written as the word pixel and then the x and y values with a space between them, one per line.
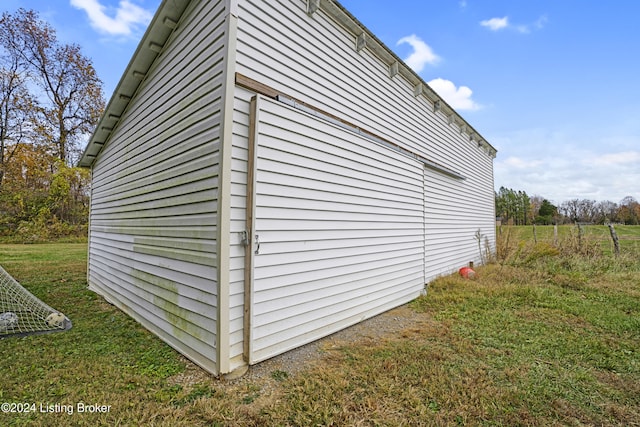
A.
pixel 164 22
pixel 167 18
pixel 365 39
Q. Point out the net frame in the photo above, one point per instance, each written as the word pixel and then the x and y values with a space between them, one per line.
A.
pixel 33 315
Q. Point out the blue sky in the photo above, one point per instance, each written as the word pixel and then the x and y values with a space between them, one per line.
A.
pixel 552 84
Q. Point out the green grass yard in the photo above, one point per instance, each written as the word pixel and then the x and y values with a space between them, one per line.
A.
pixel 544 336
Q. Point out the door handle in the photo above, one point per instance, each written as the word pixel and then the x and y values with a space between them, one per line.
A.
pixel 257 251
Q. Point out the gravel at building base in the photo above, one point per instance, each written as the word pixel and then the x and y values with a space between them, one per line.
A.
pixel 387 324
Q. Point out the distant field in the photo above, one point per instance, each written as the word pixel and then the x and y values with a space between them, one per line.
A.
pixel 628 235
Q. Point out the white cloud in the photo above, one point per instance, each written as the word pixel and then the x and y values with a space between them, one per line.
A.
pixel 458 97
pixel 520 163
pixel 128 16
pixel 549 164
pixel 496 24
pixel 617 159
pixel 422 54
pixel 541 22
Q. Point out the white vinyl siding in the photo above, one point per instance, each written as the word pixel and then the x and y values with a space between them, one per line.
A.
pixel 238 224
pixel 455 210
pixel 348 227
pixel 451 223
pixel 152 249
pixel 340 225
pixel 314 59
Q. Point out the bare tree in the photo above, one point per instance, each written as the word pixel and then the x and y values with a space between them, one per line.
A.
pixel 629 211
pixel 536 203
pixel 606 211
pixel 72 98
pixel 570 209
pixel 587 212
pixel 16 103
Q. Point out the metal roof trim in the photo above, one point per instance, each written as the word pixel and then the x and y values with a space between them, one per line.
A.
pixel 151 46
pixel 350 23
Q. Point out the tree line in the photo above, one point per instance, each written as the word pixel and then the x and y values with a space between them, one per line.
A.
pixel 50 100
pixel 517 208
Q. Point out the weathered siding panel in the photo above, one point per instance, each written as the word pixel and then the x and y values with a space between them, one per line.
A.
pixel 340 221
pixel 315 60
pixel 153 242
pixel 238 224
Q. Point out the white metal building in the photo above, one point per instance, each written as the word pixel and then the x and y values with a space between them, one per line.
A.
pixel 268 172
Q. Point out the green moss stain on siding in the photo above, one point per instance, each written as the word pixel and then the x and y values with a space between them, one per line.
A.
pixel 201 257
pixel 165 296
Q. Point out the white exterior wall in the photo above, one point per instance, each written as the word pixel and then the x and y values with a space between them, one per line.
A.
pixel 165 172
pixel 315 60
pixel 152 249
pixel 339 221
pixel 451 223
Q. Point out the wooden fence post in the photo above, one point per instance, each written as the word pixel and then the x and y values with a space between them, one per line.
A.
pixel 580 232
pixel 614 237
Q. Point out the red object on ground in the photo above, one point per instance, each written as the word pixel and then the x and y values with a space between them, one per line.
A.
pixel 467 273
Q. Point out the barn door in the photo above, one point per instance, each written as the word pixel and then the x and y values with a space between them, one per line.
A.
pixel 337 235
